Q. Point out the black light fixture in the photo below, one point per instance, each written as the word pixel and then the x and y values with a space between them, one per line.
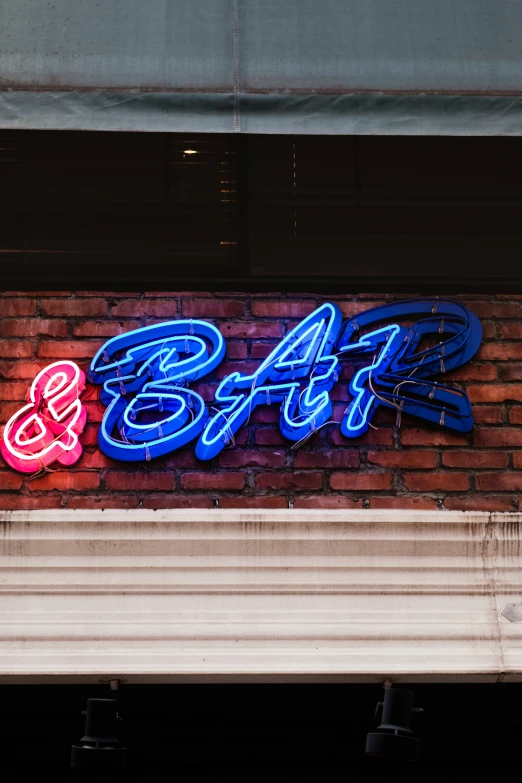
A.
pixel 100 749
pixel 393 739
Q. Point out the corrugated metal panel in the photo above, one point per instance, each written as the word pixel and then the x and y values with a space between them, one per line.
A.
pixel 312 66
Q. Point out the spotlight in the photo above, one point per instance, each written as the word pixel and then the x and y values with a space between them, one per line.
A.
pixel 393 739
pixel 99 749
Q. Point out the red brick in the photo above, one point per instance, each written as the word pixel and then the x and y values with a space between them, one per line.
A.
pixel 338 458
pixel 282 308
pixel 431 437
pixel 17 502
pixel 492 310
pixel 349 309
pixel 69 349
pixel 515 414
pixel 500 352
pixel 205 390
pixel 13 307
pixel 32 327
pixel 236 350
pixel 175 500
pixel 13 390
pixel 213 308
pixel 15 349
pixel 357 482
pixel 503 437
pixel 74 308
pixel 474 459
pixel 517 460
pixel 137 480
pixel 327 501
pixel 21 369
pixel 238 458
pixel 487 414
pixel 510 331
pixel 130 308
pixel 213 480
pixel 95 411
pixel 74 480
pixel 379 437
pixel 8 409
pixel 289 481
pixel 402 459
pixel 503 481
pixel 102 501
pixel 10 480
pixel 262 350
pixel 495 393
pixel 511 372
pixel 96 460
pixel 244 501
pixel 89 436
pixel 185 458
pixel 175 294
pixel 478 503
pixel 432 482
pixel 110 294
pixel 269 436
pixel 473 372
pixel 257 330
pixel 420 503
pixel 489 330
pixel 104 328
pixel 265 414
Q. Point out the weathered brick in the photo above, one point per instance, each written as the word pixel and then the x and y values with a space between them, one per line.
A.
pixel 327 501
pixel 75 480
pixel 12 307
pixel 500 352
pixel 69 349
pixel 517 460
pixel 227 368
pixel 74 308
pixel 236 350
pixel 102 501
pixel 265 458
pixel 357 482
pixel 402 459
pixel 474 459
pixel 289 481
pixel 15 349
pixel 269 436
pixel 478 503
pixel 16 501
pixel 176 500
pixel 349 309
pixel 406 502
pixel 153 308
pixel 503 437
pixel 134 481
pixel 262 350
pixel 103 328
pixel 213 308
pixel 21 369
pixel 473 372
pixel 379 437
pixel 282 308
pixel 213 480
pixel 256 330
pixel 433 482
pixel 510 372
pixel 13 390
pixel 331 458
pixel 503 481
pixel 515 414
pixel 510 331
pixel 10 480
pixel 33 327
pixel 244 501
pixel 487 414
pixel 421 436
pixel 494 310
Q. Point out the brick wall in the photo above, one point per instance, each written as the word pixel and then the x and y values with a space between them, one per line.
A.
pixel 414 466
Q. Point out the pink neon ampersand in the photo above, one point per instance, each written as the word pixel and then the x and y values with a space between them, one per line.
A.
pixel 46 429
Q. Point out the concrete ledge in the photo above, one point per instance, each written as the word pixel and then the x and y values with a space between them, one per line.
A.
pixel 288 595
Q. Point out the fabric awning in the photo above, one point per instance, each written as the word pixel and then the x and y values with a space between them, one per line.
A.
pixel 263 66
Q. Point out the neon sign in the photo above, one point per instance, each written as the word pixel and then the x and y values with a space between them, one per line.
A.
pixel 145 378
pixel 46 429
pixel 145 375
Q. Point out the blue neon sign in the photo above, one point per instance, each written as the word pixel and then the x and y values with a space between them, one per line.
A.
pixel 151 409
pixel 145 374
